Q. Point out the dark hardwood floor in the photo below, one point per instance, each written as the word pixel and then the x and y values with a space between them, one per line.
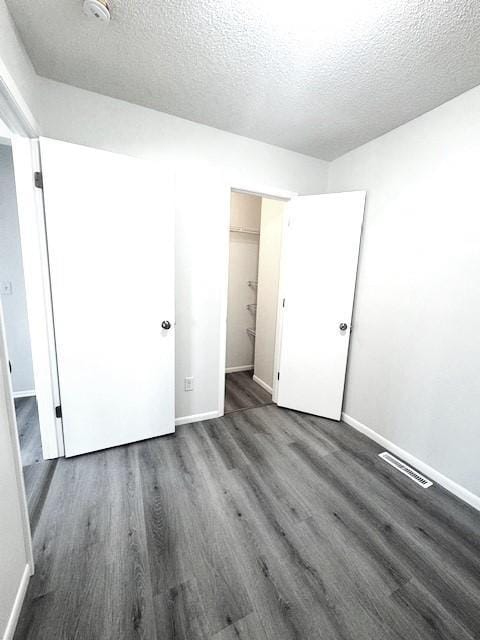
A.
pixel 37 483
pixel 264 524
pixel 28 430
pixel 242 392
pixel 37 472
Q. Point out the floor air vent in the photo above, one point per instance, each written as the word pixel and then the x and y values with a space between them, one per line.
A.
pixel 408 471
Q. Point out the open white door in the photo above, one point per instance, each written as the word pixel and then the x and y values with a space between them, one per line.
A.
pixel 110 233
pixel 318 283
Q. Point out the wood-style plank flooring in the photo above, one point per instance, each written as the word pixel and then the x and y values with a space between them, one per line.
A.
pixel 242 392
pixel 266 524
pixel 37 472
pixel 28 430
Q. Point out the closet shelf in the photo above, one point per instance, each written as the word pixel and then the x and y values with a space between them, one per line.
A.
pixel 251 332
pixel 253 232
pixel 252 307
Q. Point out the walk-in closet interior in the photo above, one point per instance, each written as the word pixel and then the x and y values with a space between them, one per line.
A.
pixel 256 226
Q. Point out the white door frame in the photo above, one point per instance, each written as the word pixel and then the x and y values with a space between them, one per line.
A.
pixel 18 118
pixel 6 391
pixel 264 192
pixel 26 160
pixel 13 109
pixel 281 297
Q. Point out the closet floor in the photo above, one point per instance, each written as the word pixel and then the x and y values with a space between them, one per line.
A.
pixel 242 392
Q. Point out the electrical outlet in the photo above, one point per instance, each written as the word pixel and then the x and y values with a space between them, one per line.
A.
pixel 188 384
pixel 6 288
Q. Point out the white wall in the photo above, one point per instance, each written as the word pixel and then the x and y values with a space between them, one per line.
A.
pixel 75 115
pixel 268 279
pixel 242 267
pixel 210 162
pixel 11 270
pixel 414 373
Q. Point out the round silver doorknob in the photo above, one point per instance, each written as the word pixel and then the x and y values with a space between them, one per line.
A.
pixel 343 326
pixel 166 324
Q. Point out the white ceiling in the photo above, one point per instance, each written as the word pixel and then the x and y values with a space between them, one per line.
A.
pixel 316 76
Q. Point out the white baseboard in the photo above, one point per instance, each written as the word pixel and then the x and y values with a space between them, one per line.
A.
pixel 17 605
pixel 24 394
pixel 263 384
pixel 197 417
pixel 433 474
pixel 244 367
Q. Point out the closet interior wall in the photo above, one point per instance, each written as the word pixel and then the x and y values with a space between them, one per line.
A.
pixel 245 215
pixel 270 248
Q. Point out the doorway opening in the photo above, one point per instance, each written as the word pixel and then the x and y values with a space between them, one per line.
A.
pixel 256 227
pixel 14 305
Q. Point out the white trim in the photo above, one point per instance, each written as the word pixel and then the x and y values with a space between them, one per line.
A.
pixel 277 353
pixel 14 111
pixel 244 367
pixel 198 417
pixel 26 160
pixel 262 384
pixel 18 118
pixel 433 474
pixel 6 389
pixel 17 605
pixel 24 394
pixel 264 191
pixel 222 329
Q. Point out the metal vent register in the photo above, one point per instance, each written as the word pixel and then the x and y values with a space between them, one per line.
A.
pixel 406 470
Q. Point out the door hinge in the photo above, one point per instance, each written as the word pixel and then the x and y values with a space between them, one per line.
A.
pixel 58 411
pixel 38 179
pixel 278 375
pixel 283 303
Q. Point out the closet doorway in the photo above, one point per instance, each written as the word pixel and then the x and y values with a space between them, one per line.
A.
pixel 256 224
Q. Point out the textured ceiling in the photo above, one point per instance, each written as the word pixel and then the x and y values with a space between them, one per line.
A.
pixel 309 75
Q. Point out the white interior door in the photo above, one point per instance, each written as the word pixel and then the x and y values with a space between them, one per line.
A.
pixel 110 232
pixel 318 283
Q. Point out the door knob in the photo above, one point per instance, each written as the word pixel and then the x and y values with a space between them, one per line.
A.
pixel 166 324
pixel 343 326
